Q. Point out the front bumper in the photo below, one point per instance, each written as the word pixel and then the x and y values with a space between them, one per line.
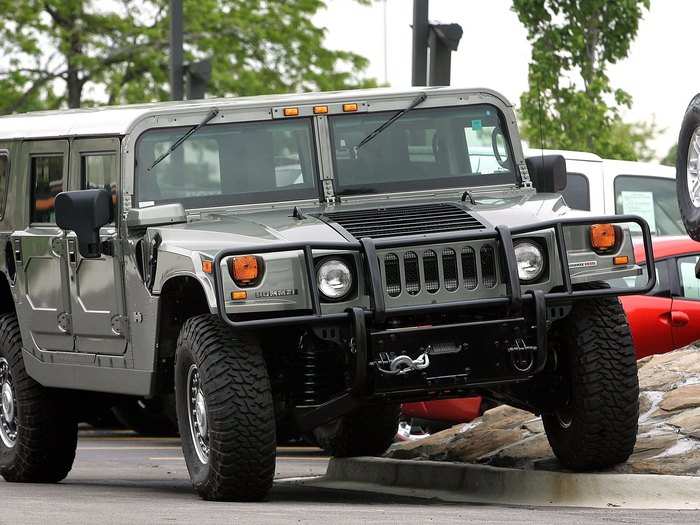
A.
pixel 525 322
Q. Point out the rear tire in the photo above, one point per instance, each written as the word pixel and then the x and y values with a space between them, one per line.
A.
pixel 690 213
pixel 225 411
pixel 596 427
pixel 368 431
pixel 39 430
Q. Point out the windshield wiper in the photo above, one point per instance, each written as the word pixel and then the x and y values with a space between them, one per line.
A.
pixel 416 101
pixel 214 112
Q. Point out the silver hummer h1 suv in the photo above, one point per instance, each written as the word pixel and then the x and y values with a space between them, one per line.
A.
pixel 302 264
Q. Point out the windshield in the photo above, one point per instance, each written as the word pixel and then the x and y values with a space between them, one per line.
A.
pixel 226 164
pixel 425 149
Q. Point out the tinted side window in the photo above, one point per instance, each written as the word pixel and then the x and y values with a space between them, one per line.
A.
pixel 577 193
pixel 99 171
pixel 653 199
pixel 4 179
pixel 47 182
pixel 690 285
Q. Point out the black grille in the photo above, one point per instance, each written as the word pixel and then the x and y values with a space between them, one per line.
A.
pixel 488 266
pixel 393 274
pixel 432 275
pixel 405 220
pixel 469 268
pixel 449 269
pixel 410 268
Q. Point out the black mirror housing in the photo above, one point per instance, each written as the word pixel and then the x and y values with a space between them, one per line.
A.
pixel 547 172
pixel 84 212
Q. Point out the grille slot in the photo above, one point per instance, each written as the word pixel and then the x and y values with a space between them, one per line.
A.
pixel 488 266
pixel 393 274
pixel 430 269
pixel 405 220
pixel 412 273
pixel 469 268
pixel 449 269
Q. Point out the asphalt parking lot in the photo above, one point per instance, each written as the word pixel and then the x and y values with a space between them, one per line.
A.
pixel 120 479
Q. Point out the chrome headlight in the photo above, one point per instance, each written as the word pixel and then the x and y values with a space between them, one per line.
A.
pixel 334 279
pixel 530 260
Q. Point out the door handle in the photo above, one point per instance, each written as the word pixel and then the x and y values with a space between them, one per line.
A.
pixel 679 319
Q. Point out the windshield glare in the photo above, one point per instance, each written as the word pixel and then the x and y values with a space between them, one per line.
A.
pixel 425 149
pixel 227 164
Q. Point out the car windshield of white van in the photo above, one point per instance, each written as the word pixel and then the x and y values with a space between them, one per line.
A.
pixel 454 147
pixel 227 164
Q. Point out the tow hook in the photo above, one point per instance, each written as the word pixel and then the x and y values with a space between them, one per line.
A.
pixel 391 364
pixel 522 356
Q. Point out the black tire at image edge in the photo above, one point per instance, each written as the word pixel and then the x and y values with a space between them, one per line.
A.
pixel 689 213
pixel 47 433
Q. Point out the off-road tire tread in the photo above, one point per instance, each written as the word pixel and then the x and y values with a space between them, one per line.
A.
pixel 603 369
pixel 368 431
pixel 242 437
pixel 48 430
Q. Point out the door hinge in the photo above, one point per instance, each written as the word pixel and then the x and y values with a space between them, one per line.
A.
pixel 65 322
pixel 120 324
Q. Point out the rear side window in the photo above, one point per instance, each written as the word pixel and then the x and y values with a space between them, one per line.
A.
pixel 577 193
pixel 4 180
pixel 653 199
pixel 690 284
pixel 47 182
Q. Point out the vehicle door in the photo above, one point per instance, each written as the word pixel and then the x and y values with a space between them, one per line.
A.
pixel 42 272
pixel 649 316
pixel 685 314
pixel 97 285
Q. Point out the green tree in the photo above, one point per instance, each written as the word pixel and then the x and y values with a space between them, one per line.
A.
pixel 73 53
pixel 570 103
pixel 670 158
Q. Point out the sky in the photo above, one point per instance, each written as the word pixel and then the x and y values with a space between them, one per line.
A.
pixel 661 72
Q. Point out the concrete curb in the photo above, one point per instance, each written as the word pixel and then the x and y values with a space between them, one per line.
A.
pixel 483 484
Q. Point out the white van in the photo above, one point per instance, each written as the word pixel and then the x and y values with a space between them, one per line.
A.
pixel 605 186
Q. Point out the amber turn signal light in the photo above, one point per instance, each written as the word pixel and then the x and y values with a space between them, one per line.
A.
pixel 621 260
pixel 603 236
pixel 239 296
pixel 207 266
pixel 245 269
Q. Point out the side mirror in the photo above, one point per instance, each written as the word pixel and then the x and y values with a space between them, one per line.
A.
pixel 547 172
pixel 84 212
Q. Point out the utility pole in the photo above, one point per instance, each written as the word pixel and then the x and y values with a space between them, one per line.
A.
pixel 420 43
pixel 176 54
pixel 440 40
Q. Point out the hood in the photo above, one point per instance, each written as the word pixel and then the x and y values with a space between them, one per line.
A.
pixel 227 229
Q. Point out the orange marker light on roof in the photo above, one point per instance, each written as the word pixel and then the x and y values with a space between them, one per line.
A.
pixel 245 269
pixel 320 110
pixel 291 112
pixel 350 107
pixel 603 236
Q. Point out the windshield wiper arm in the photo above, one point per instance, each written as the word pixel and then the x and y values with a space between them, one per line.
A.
pixel 214 112
pixel 416 101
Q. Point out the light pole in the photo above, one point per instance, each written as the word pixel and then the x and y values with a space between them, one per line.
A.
pixel 176 60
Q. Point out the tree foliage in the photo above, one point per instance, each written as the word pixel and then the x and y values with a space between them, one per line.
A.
pixel 570 103
pixel 56 53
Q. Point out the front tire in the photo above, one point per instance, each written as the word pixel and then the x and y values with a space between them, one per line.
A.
pixel 367 431
pixel 595 427
pixel 688 169
pixel 38 429
pixel 225 411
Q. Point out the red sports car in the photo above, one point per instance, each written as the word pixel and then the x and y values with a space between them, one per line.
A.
pixel 663 320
